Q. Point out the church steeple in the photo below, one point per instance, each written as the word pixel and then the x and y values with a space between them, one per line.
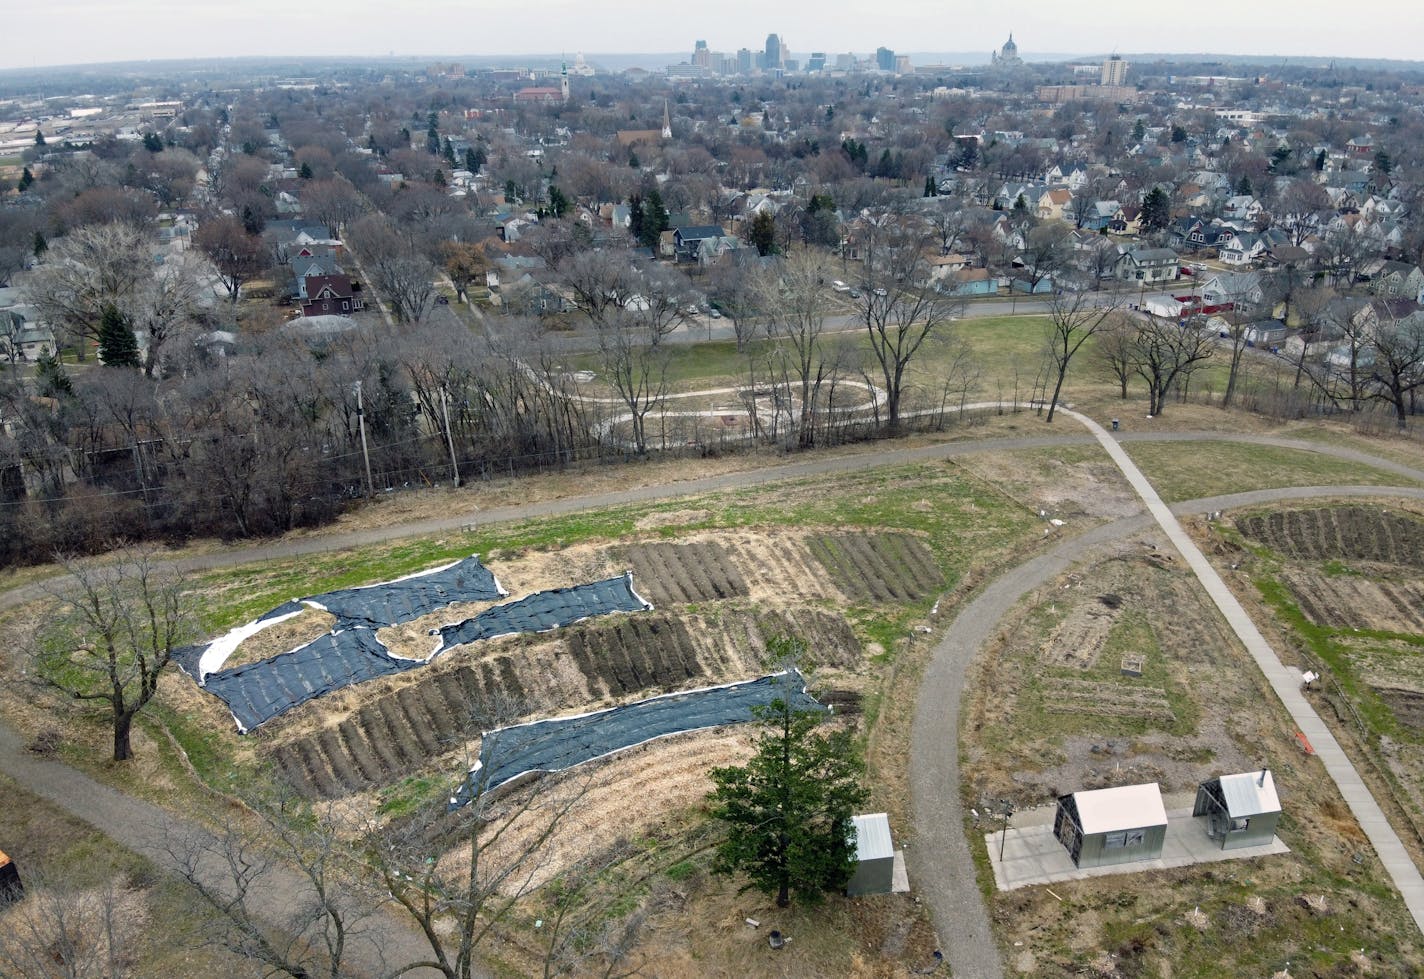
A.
pixel 667 121
pixel 564 82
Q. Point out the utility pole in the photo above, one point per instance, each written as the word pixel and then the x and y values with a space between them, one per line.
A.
pixel 449 436
pixel 365 451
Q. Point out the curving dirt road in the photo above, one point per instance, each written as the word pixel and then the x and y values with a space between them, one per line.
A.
pixel 942 868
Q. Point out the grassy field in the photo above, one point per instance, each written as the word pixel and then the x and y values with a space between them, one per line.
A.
pixel 1191 470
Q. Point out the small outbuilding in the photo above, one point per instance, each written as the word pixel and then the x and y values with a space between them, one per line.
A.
pixel 874 856
pixel 10 887
pixel 1240 810
pixel 1103 827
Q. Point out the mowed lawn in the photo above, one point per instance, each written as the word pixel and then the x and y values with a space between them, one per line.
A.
pixel 1192 470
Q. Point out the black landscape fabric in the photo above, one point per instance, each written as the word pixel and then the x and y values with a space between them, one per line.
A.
pixel 560 743
pixel 546 610
pixel 394 602
pixel 258 692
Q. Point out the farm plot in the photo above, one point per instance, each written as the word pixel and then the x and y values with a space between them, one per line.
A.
pixel 878 567
pixel 1388 535
pixel 1079 637
pixel 682 573
pixel 1109 699
pixel 780 568
pixel 1350 602
pixel 590 665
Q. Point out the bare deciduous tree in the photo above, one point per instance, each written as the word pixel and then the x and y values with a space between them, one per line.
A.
pixel 797 302
pixel 1072 321
pixel 498 854
pixel 117 627
pixel 1162 352
pixel 236 254
pixel 62 932
pixel 89 269
pixel 316 930
pixel 900 310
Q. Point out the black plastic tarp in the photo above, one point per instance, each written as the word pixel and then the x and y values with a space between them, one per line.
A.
pixel 258 692
pixel 546 610
pixel 394 602
pixel 560 743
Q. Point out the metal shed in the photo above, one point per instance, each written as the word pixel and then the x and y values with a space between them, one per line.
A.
pixel 874 856
pixel 1103 827
pixel 1240 810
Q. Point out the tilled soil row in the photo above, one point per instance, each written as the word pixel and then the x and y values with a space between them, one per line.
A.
pixel 1348 533
pixel 878 567
pixel 670 574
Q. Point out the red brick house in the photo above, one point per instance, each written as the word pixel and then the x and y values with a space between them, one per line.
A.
pixel 331 295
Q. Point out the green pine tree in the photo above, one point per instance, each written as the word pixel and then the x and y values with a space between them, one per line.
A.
pixel 305 173
pixel 39 246
pixel 763 233
pixel 1320 160
pixel 117 345
pixel 470 163
pixel 51 381
pixel 26 179
pixel 788 811
pixel 39 137
pixel 1156 210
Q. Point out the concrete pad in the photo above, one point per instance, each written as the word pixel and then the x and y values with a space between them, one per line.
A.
pixel 899 877
pixel 1033 855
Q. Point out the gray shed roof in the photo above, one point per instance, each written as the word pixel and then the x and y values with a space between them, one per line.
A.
pixel 872 837
pixel 1250 794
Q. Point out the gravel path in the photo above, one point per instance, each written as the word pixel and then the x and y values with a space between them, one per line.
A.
pixel 149 831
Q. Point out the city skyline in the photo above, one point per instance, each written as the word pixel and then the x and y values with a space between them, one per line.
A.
pixel 43 34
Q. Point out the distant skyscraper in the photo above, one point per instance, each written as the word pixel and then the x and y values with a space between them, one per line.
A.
pixel 817 61
pixel 774 54
pixel 1114 72
pixel 744 61
pixel 701 56
pixel 885 59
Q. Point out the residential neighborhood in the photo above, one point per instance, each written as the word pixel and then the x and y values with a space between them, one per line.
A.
pixel 735 511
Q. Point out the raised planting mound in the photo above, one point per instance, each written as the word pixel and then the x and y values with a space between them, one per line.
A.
pixel 1108 699
pixel 879 567
pixel 1078 639
pixel 1340 533
pixel 676 574
pixel 1351 602
pixel 593 663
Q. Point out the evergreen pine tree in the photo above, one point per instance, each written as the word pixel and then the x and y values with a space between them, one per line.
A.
pixel 117 345
pixel 305 173
pixel 763 233
pixel 39 246
pixel 39 137
pixel 50 379
pixel 26 178
pixel 789 809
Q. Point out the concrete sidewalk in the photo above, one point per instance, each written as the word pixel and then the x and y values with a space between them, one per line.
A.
pixel 1033 855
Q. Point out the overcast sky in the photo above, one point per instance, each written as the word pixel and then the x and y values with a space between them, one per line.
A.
pixel 49 32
